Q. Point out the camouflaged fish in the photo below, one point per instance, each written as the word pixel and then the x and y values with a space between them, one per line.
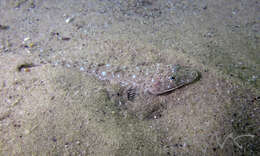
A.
pixel 141 80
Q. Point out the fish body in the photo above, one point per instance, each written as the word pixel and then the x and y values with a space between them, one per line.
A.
pixel 141 86
pixel 143 79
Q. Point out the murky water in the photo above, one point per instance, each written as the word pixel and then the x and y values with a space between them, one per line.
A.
pixel 94 60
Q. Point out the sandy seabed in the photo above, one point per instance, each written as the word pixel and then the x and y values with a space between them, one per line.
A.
pixel 50 108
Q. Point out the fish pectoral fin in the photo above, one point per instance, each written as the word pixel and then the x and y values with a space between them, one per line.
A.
pixel 130 93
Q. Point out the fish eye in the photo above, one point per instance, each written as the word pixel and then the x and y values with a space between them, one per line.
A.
pixel 172 78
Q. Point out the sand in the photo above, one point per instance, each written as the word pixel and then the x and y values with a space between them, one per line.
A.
pixel 50 109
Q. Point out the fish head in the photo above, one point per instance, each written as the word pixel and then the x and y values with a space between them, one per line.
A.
pixel 173 78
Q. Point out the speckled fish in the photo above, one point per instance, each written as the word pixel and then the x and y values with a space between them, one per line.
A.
pixel 144 79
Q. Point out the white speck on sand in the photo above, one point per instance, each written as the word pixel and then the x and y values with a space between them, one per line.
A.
pixel 103 73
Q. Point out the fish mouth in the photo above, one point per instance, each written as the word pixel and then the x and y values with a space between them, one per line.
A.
pixel 166 91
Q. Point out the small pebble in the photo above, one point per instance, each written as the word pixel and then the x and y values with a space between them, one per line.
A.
pixel 103 73
pixel 54 139
pixel 26 131
pixel 205 7
pixel 26 39
pixel 70 19
pixel 81 68
pixel 31 45
pixel 65 38
pixel 27 69
pixel 4 27
pixel 254 77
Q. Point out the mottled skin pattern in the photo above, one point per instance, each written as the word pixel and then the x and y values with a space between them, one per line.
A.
pixel 152 80
pixel 141 83
pixel 173 77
